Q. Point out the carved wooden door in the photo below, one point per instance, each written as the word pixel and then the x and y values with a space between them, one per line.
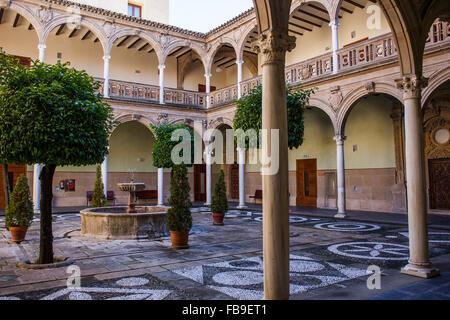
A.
pixel 307 183
pixel 439 170
pixel 14 171
pixel 234 173
pixel 200 182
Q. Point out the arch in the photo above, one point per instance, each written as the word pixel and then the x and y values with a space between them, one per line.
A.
pixel 215 49
pixel 325 3
pixel 93 27
pixel 434 82
pixel 352 97
pixel 214 124
pixel 243 39
pixel 321 104
pixel 144 35
pixel 123 118
pixel 199 49
pixel 26 12
pixel 189 124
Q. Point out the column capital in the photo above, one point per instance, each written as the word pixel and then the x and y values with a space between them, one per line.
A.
pixel 106 57
pixel 334 23
pixel 339 139
pixel 162 66
pixel 412 86
pixel 42 46
pixel 208 75
pixel 239 62
pixel 241 149
pixel 273 44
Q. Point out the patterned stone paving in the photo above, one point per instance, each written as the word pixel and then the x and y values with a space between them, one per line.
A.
pixel 221 263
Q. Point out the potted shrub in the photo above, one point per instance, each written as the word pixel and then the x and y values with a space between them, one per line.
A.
pixel 179 219
pixel 19 213
pixel 219 205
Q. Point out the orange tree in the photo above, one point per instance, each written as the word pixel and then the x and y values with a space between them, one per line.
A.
pixel 51 115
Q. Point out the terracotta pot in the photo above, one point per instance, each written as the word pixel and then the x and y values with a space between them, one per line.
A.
pixel 218 218
pixel 18 233
pixel 179 239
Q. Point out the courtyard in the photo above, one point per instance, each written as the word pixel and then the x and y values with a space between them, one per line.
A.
pixel 329 259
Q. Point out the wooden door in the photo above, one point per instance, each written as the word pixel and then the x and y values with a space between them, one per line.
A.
pixel 307 183
pixel 439 170
pixel 200 182
pixel 234 181
pixel 14 171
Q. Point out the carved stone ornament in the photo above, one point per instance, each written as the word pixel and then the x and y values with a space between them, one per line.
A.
pixel 336 97
pixel 412 86
pixel 163 118
pixel 5 3
pixel 273 46
pixel 109 27
pixel 370 86
pixel 45 14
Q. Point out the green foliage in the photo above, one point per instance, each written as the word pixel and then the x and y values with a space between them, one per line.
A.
pixel 51 114
pixel 98 199
pixel 162 149
pixel 179 217
pixel 19 212
pixel 219 200
pixel 249 113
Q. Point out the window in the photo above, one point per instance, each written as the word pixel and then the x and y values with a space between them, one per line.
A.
pixel 134 10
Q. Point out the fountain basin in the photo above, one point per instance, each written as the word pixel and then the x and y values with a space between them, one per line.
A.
pixel 114 223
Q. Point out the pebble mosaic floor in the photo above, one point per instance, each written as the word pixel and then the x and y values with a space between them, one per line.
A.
pixel 221 263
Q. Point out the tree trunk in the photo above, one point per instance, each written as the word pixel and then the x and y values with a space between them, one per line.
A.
pixel 6 184
pixel 46 241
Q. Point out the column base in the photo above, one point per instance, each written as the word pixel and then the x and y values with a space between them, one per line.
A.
pixel 425 271
pixel 207 204
pixel 242 207
pixel 340 215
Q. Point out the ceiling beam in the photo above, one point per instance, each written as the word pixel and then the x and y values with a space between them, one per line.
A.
pixel 311 5
pixel 123 41
pixel 314 16
pixel 151 50
pixel 1 14
pixel 356 4
pixel 176 51
pixel 86 35
pixel 296 32
pixel 73 33
pixel 60 29
pixel 143 47
pixel 345 9
pixel 226 62
pixel 307 21
pixel 299 26
pixel 16 20
pixel 96 40
pixel 180 55
pixel 134 43
pixel 30 27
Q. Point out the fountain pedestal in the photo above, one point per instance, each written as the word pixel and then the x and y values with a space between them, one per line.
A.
pixel 131 187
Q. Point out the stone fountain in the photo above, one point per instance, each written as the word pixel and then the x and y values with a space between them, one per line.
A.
pixel 125 222
pixel 131 187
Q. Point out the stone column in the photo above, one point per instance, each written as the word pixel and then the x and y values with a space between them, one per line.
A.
pixel 208 153
pixel 106 60
pixel 334 24
pixel 105 175
pixel 272 45
pixel 37 188
pixel 419 263
pixel 399 189
pixel 37 167
pixel 208 89
pixel 42 48
pixel 239 69
pixel 161 83
pixel 340 177
pixel 160 186
pixel 241 161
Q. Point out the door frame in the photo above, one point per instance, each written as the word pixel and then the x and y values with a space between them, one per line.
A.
pixel 304 200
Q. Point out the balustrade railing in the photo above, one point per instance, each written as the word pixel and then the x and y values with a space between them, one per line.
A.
pixel 223 96
pixel 189 98
pixel 368 52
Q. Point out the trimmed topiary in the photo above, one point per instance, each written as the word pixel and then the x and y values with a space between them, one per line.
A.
pixel 219 200
pixel 98 198
pixel 179 216
pixel 19 212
